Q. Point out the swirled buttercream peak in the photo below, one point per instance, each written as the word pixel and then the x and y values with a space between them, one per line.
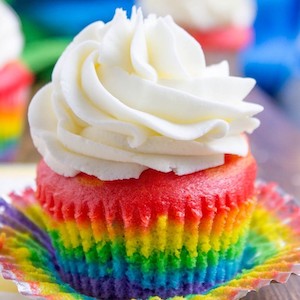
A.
pixel 134 94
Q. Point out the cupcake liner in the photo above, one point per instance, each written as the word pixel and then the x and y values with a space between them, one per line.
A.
pixel 158 246
pixel 225 39
pixel 154 254
pixel 157 241
pixel 27 256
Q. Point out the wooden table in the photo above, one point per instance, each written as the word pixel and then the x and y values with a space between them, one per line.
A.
pixel 276 146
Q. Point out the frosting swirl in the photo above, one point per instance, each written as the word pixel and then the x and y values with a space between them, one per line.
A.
pixel 11 38
pixel 204 14
pixel 134 94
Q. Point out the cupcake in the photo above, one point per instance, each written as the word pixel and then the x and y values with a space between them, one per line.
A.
pixel 15 80
pixel 222 27
pixel 147 181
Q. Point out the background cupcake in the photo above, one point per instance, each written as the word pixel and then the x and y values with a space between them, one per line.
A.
pixel 147 180
pixel 222 27
pixel 15 80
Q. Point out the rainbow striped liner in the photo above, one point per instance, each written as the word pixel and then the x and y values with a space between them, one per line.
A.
pixel 28 257
pixel 15 81
pixel 118 250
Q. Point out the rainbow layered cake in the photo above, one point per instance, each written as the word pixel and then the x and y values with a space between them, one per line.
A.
pixel 161 234
pixel 15 80
pixel 147 180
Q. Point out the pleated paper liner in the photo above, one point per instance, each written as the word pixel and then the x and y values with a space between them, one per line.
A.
pixel 272 253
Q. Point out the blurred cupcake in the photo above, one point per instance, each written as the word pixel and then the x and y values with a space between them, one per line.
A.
pixel 15 80
pixel 222 27
pixel 147 179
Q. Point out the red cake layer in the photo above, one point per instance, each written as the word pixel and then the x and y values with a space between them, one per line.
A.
pixel 14 76
pixel 180 197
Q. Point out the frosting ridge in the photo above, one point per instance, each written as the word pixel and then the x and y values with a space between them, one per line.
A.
pixel 134 94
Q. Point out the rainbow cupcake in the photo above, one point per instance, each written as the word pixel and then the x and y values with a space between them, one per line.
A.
pixel 15 80
pixel 147 181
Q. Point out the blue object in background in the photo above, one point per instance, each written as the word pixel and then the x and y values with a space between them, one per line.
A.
pixel 289 99
pixel 272 60
pixel 68 17
pixel 277 18
pixel 271 63
pixel 50 25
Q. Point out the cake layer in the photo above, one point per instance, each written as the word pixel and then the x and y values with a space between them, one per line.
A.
pixel 161 234
pixel 15 81
pixel 180 197
pixel 13 76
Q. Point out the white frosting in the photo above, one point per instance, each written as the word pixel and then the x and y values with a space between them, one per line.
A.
pixel 204 14
pixel 11 39
pixel 134 94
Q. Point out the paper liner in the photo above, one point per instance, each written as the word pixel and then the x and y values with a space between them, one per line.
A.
pixel 113 240
pixel 273 251
pixel 231 38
